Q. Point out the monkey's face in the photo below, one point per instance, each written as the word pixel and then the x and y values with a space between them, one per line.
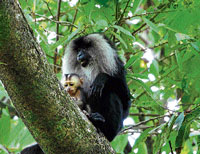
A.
pixel 70 88
pixel 71 84
pixel 83 57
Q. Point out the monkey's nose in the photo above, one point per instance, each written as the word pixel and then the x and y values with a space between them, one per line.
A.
pixel 80 56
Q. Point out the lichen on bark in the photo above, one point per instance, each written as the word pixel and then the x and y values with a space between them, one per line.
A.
pixel 54 121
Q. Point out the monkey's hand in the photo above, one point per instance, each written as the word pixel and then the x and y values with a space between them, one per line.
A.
pixel 96 117
pixel 86 113
pixel 97 86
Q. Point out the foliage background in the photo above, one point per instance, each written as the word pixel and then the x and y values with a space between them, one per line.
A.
pixel 158 40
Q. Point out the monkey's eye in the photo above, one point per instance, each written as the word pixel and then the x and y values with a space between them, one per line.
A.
pixel 71 84
pixel 65 85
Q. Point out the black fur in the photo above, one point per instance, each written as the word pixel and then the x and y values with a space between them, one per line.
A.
pixel 111 100
pixel 33 149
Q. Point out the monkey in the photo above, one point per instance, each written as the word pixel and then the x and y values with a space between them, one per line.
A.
pixel 72 84
pixel 94 57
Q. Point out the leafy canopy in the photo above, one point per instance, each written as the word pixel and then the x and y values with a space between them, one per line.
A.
pixel 158 40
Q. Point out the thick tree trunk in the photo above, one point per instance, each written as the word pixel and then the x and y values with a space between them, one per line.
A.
pixel 55 122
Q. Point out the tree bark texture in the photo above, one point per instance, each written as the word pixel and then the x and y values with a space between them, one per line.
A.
pixel 54 121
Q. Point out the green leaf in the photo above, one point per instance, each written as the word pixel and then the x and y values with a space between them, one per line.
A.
pixel 4 128
pixel 142 148
pixel 102 23
pixel 184 130
pixel 183 134
pixel 147 89
pixel 136 4
pixel 20 135
pixel 179 59
pixel 190 67
pixel 1 63
pixel 141 76
pixel 120 39
pixel 198 144
pixel 164 135
pixel 179 120
pixel 123 30
pixel 154 68
pixel 141 138
pixel 13 133
pixel 171 38
pixel 123 140
pixel 64 39
pixel 151 25
pixel 195 46
pixel 133 59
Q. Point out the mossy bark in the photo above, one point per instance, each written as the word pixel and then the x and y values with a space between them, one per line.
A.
pixel 53 120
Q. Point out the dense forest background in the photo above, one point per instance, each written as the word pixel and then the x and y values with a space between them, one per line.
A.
pixel 158 40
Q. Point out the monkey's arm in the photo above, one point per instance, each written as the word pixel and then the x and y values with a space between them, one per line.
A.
pixel 98 84
pixel 113 83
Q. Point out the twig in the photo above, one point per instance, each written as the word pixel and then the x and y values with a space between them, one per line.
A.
pixel 170 144
pixel 48 31
pixel 57 66
pixel 124 11
pixel 138 129
pixel 57 37
pixel 143 25
pixel 148 13
pixel 143 122
pixel 59 22
pixel 162 59
pixel 116 11
pixel 142 107
pixel 6 104
pixel 143 114
pixel 75 15
pixel 48 8
pixel 159 45
pixel 118 20
pixel 136 31
pixel 4 149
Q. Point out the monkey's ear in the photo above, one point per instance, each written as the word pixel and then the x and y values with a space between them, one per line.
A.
pixel 66 76
pixel 81 80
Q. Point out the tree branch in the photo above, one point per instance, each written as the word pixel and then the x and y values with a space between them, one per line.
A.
pixel 143 114
pixel 47 4
pixel 143 122
pixel 170 144
pixel 57 36
pixel 66 23
pixel 162 8
pixel 54 121
pixel 75 15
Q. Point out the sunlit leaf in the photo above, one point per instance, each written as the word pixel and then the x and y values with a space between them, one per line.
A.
pixel 66 38
pixel 133 59
pixel 151 25
pixel 120 39
pixel 141 138
pixel 179 120
pixel 4 128
pixel 123 139
pixel 136 4
pixel 123 30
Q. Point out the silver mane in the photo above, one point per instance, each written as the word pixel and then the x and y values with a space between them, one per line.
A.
pixel 103 59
